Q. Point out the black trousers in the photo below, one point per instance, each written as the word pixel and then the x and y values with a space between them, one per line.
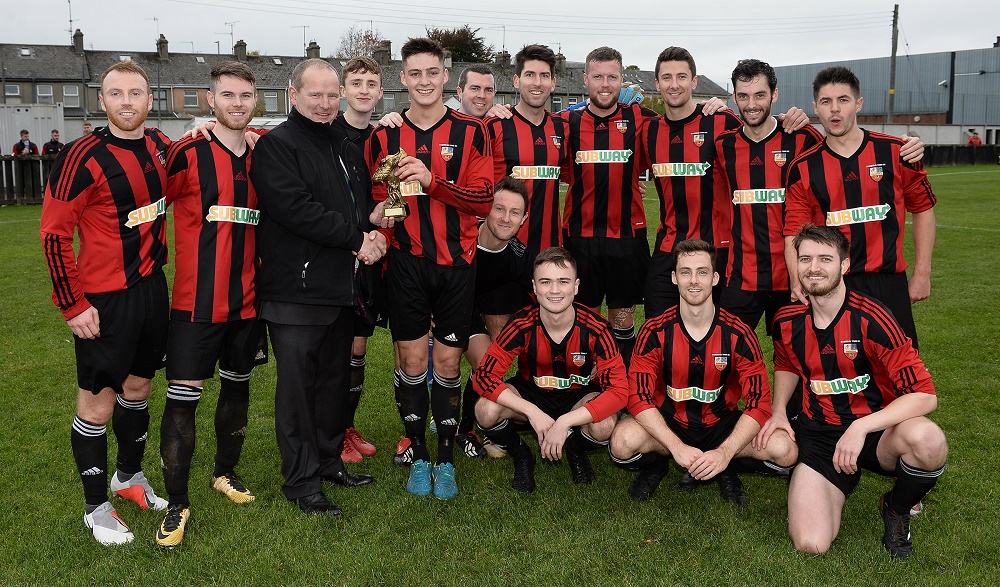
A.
pixel 310 401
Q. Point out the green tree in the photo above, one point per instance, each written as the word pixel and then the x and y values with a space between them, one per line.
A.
pixel 464 44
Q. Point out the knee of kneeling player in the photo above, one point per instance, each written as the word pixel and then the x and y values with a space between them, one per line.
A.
pixel 487 413
pixel 783 450
pixel 602 430
pixel 622 446
pixel 928 446
pixel 811 544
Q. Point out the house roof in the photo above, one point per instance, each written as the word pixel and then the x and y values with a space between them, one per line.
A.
pixel 42 62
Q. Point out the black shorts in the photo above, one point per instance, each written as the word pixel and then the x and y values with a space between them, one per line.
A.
pixel 502 300
pixel 705 438
pixel 419 289
pixel 750 306
pixel 477 327
pixel 817 443
pixel 612 268
pixel 554 403
pixel 661 291
pixel 890 289
pixel 133 340
pixel 193 348
pixel 380 302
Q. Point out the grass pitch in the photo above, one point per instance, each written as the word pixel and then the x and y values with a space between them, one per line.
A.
pixel 488 535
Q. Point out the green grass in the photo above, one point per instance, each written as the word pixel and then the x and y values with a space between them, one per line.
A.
pixel 560 535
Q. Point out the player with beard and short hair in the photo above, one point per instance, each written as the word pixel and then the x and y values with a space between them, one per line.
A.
pixel 476 89
pixel 693 365
pixel 109 187
pixel 53 146
pixel 865 397
pixel 570 382
pixel 447 178
pixel 858 181
pixel 212 319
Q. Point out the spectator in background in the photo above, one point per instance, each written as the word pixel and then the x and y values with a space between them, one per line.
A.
pixel 87 128
pixel 25 147
pixel 974 139
pixel 54 146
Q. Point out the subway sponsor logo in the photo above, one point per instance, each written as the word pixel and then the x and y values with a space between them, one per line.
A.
pixel 857 215
pixel 680 169
pixel 553 382
pixel 411 188
pixel 776 196
pixel 842 385
pixel 683 394
pixel 146 213
pixel 535 172
pixel 233 214
pixel 603 156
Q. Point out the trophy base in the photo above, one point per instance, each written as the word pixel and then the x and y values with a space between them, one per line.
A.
pixel 396 212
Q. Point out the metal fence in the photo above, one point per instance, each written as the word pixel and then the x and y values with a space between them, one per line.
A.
pixel 945 155
pixel 22 179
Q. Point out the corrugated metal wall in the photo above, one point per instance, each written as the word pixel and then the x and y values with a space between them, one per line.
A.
pixel 976 96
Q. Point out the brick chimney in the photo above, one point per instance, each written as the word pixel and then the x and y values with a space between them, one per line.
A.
pixel 502 59
pixel 240 50
pixel 383 54
pixel 161 48
pixel 560 63
pixel 312 50
pixel 78 42
pixel 447 58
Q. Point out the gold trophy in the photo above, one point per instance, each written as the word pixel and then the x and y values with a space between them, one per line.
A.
pixel 395 207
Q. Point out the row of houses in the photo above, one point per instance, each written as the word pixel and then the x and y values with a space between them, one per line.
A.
pixel 70 76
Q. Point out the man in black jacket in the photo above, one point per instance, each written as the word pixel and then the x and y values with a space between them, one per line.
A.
pixel 313 236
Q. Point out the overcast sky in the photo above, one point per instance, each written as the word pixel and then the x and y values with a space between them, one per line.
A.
pixel 717 33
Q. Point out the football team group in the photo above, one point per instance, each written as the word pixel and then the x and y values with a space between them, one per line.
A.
pixel 462 245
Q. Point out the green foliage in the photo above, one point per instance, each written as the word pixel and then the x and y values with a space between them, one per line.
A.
pixel 488 535
pixel 464 43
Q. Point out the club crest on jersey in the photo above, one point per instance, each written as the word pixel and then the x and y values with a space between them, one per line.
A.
pixel 447 152
pixel 556 140
pixel 162 156
pixel 698 138
pixel 780 157
pixel 875 171
pixel 622 126
pixel 721 362
pixel 850 349
pixel 579 359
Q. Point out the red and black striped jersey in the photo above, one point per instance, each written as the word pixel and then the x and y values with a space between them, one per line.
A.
pixel 681 154
pixel 534 154
pixel 752 176
pixel 587 356
pixel 602 170
pixel 111 190
pixel 442 225
pixel 215 215
pixel 866 195
pixel 696 383
pixel 855 366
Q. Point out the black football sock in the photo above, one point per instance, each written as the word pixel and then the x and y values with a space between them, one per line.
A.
pixel 912 484
pixel 445 397
pixel 357 385
pixel 231 420
pixel 177 438
pixel 130 422
pixel 90 451
pixel 587 442
pixel 413 402
pixel 469 399
pixel 505 436
pixel 638 461
pixel 625 338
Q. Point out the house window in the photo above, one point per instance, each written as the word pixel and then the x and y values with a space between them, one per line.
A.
pixel 497 99
pixel 71 96
pixel 124 58
pixel 572 100
pixel 12 90
pixel 200 59
pixel 43 93
pixel 515 99
pixel 277 60
pixel 190 98
pixel 388 102
pixel 270 101
pixel 160 100
pixel 25 52
pixel 556 103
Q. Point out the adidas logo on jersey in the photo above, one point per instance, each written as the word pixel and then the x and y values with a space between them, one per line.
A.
pixel 422 150
pixel 240 177
pixel 756 161
pixel 149 167
pixel 697 360
pixel 601 126
pixel 451 337
pixel 411 418
pixel 851 177
pixel 676 140
pixel 827 350
pixel 539 141
pixel 92 471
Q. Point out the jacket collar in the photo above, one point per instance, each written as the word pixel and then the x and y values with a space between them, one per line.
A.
pixel 318 130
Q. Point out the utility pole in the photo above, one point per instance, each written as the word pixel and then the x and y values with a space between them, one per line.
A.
pixel 71 21
pixel 892 64
pixel 304 28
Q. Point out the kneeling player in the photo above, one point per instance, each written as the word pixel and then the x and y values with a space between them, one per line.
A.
pixel 865 393
pixel 693 363
pixel 571 380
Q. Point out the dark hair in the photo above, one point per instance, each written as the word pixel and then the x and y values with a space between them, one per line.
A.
pixel 603 54
pixel 24 131
pixel 415 46
pixel 747 69
pixel 125 67
pixel 534 52
pixel 558 256
pixel 512 184
pixel 675 54
pixel 837 74
pixel 695 245
pixel 827 235
pixel 301 68
pixel 480 69
pixel 234 68
pixel 54 130
pixel 362 65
